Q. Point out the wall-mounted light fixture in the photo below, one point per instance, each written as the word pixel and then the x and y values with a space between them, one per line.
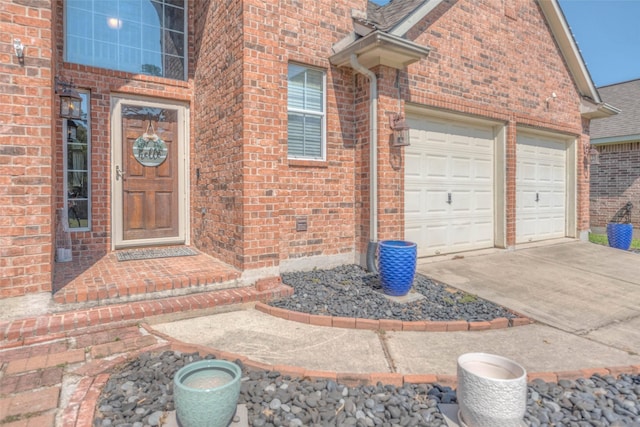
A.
pixel 550 98
pixel 591 155
pixel 400 128
pixel 19 49
pixel 70 100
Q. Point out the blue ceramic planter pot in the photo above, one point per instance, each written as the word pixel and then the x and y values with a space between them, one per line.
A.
pixel 620 235
pixel 206 393
pixel 397 266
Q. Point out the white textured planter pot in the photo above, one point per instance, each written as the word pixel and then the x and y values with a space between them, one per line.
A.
pixel 492 391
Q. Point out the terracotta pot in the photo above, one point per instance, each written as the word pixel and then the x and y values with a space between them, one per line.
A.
pixel 492 391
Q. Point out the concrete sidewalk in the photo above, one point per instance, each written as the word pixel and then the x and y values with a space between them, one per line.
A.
pixel 584 297
pixel 271 340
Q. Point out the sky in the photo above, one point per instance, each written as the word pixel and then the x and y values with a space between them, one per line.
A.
pixel 608 35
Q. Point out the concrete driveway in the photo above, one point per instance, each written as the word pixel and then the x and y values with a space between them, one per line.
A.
pixel 585 289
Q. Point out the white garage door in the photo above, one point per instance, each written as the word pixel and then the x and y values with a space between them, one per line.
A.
pixel 449 186
pixel 541 188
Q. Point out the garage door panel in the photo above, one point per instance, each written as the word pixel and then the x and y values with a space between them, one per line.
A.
pixel 436 202
pixel 413 202
pixel 413 166
pixel 540 188
pixel 457 160
pixel 436 165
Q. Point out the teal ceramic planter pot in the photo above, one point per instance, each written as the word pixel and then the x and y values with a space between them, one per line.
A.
pixel 620 235
pixel 206 393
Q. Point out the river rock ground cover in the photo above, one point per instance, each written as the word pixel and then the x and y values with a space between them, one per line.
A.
pixel 140 394
pixel 351 291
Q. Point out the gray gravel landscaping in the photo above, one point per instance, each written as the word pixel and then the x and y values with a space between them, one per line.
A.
pixel 140 393
pixel 350 291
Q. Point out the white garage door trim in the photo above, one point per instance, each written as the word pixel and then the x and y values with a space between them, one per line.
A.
pixel 545 187
pixel 450 184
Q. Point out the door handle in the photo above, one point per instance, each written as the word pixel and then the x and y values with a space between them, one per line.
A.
pixel 537 197
pixel 449 198
pixel 119 173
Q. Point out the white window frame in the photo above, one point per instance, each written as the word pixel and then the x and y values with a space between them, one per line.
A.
pixel 322 114
pixel 65 165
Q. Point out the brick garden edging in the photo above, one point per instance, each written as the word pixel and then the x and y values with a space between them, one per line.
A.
pixel 392 325
pixel 391 378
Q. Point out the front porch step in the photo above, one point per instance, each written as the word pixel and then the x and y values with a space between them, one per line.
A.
pixel 108 281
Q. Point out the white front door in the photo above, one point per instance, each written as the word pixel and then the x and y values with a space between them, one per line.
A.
pixel 541 188
pixel 449 186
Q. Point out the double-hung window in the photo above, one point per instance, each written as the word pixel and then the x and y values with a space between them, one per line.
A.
pixel 306 113
pixel 137 36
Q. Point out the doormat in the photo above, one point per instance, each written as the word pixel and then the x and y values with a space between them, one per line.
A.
pixel 138 254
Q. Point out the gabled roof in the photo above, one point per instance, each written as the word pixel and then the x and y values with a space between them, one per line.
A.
pixel 398 16
pixel 624 127
pixel 386 17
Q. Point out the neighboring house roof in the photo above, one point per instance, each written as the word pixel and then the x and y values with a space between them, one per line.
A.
pixel 624 127
pixel 397 17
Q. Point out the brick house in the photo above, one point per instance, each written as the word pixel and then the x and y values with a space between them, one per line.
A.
pixel 260 134
pixel 615 181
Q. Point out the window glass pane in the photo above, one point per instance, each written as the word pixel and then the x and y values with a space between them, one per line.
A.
pixel 130 10
pixel 151 63
pixel 173 67
pixel 173 18
pixel 296 135
pixel 130 35
pixel 127 35
pixel 77 168
pixel 105 6
pixel 151 39
pixel 79 4
pixel 312 137
pixel 179 3
pixel 296 87
pixel 78 212
pixel 77 23
pixel 314 90
pixel 152 13
pixel 174 43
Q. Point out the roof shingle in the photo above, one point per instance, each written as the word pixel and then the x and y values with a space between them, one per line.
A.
pixel 626 97
pixel 389 15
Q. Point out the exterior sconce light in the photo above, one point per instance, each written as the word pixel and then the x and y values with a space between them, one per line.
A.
pixel 400 128
pixel 19 49
pixel 591 155
pixel 70 100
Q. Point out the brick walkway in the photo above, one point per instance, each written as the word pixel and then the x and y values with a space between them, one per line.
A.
pixel 53 367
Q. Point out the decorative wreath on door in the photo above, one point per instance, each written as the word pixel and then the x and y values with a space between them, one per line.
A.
pixel 149 149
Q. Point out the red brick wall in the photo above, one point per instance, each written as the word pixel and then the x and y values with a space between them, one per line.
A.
pixel 614 182
pixel 26 215
pixel 217 145
pixel 281 190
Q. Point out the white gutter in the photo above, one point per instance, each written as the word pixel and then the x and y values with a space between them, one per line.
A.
pixel 373 146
